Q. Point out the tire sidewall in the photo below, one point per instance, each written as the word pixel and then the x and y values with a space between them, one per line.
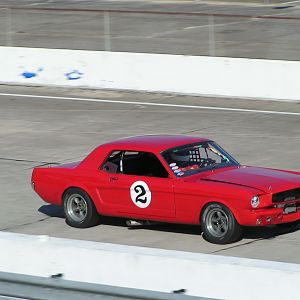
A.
pixel 234 229
pixel 90 217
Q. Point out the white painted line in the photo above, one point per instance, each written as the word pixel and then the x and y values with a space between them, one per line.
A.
pixel 251 19
pixel 289 2
pixel 221 24
pixel 154 104
pixel 201 26
pixel 39 3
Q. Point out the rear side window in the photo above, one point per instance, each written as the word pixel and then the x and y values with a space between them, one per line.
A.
pixel 112 162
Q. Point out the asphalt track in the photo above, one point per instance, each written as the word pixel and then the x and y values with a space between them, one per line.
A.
pixel 51 125
pixel 177 27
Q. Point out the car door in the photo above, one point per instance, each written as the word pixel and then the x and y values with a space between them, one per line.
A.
pixel 141 188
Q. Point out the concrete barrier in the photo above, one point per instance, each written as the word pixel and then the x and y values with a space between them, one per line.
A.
pixel 150 269
pixel 210 76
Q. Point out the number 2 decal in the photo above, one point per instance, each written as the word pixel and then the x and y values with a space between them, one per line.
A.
pixel 140 194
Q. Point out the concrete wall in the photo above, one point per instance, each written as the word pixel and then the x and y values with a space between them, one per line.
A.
pixel 214 76
pixel 150 269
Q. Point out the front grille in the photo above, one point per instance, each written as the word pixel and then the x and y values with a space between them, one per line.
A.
pixel 285 196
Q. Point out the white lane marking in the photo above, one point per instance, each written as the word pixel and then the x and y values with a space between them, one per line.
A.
pixel 289 2
pixel 154 104
pixel 221 24
pixel 39 3
pixel 201 26
pixel 250 20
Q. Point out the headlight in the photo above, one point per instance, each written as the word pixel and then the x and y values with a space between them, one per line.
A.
pixel 255 201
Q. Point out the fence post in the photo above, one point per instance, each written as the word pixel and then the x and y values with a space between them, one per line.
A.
pixel 8 26
pixel 211 36
pixel 107 45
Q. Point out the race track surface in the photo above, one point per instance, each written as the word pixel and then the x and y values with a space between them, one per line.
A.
pixel 177 27
pixel 40 130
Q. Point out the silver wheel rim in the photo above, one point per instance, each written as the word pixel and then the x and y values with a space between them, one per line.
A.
pixel 217 222
pixel 77 207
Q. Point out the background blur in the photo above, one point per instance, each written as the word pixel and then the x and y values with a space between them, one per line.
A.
pixel 250 34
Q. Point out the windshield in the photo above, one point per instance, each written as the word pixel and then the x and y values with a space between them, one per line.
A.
pixel 194 158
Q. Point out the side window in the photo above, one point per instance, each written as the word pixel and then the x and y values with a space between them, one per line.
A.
pixel 112 163
pixel 142 163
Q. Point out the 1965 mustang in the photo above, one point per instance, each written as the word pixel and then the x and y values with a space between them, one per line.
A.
pixel 171 178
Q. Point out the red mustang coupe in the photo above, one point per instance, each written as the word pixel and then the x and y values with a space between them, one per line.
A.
pixel 171 178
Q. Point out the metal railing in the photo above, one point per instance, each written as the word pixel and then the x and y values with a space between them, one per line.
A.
pixel 187 33
pixel 27 287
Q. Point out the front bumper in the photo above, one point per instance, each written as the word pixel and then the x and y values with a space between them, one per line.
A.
pixel 268 216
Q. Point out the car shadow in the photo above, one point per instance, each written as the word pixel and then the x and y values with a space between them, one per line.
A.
pixel 252 233
pixel 270 232
pixel 51 210
pixel 169 227
pixel 154 226
pixel 56 211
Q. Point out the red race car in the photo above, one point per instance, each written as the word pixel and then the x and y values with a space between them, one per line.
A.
pixel 171 178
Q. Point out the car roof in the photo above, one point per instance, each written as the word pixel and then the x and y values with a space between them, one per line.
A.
pixel 155 143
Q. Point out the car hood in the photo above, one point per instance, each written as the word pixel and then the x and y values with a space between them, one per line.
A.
pixel 266 180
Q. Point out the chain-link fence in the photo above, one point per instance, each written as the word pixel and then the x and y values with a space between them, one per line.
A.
pixel 268 37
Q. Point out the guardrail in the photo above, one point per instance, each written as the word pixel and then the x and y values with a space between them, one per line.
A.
pixel 165 271
pixel 27 287
pixel 270 36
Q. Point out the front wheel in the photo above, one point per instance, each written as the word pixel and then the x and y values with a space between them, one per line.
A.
pixel 219 225
pixel 79 209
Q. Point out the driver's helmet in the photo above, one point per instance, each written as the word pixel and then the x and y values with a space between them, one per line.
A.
pixel 181 157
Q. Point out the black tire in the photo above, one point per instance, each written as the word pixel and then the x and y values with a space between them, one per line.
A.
pixel 80 211
pixel 219 225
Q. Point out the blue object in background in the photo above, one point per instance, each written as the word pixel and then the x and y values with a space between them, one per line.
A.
pixel 74 75
pixel 27 74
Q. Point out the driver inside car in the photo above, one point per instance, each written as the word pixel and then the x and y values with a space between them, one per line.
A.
pixel 184 160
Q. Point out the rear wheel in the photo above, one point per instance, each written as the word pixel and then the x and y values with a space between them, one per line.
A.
pixel 79 209
pixel 218 224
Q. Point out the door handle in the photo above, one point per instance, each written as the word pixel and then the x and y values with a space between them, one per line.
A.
pixel 113 178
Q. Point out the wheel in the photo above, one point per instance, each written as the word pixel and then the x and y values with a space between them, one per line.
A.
pixel 218 224
pixel 79 209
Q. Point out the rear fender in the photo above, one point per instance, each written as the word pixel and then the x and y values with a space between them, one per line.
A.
pixel 93 196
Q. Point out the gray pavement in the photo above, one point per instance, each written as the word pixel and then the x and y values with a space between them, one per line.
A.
pixel 35 131
pixel 82 25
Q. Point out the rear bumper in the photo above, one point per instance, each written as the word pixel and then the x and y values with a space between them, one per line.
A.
pixel 268 216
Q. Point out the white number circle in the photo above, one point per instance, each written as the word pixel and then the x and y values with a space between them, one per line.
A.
pixel 140 194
